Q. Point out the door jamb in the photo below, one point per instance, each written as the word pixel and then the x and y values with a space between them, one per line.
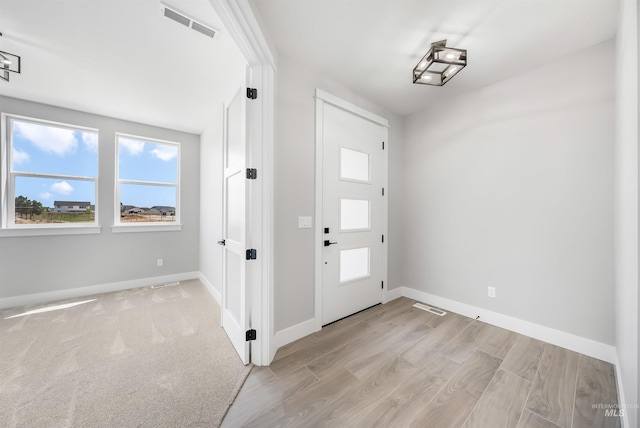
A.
pixel 240 22
pixel 323 97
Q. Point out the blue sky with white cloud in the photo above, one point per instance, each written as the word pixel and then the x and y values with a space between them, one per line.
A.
pixel 54 150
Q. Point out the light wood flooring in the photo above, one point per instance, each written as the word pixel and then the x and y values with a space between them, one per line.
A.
pixel 398 366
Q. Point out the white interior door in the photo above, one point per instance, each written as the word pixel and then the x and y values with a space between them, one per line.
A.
pixel 235 311
pixel 353 213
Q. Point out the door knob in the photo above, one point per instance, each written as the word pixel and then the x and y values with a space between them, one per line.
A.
pixel 327 243
pixel 221 242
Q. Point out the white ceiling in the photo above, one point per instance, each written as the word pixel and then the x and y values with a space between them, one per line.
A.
pixel 120 58
pixel 371 46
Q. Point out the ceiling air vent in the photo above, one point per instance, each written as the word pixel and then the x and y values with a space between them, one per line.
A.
pixel 171 14
pixel 188 22
pixel 203 29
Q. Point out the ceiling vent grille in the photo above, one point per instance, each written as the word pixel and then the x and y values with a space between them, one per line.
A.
pixel 188 22
pixel 203 29
pixel 176 16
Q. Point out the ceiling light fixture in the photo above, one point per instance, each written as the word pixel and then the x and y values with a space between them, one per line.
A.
pixel 8 63
pixel 439 65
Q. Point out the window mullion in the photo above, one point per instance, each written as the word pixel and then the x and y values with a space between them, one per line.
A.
pixel 11 201
pixel 53 176
pixel 148 183
pixel 51 123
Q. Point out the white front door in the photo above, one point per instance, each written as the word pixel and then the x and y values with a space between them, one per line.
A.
pixel 235 312
pixel 354 174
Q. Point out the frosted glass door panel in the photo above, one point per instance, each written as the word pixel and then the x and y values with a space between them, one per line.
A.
pixel 235 207
pixel 354 264
pixel 354 165
pixel 354 214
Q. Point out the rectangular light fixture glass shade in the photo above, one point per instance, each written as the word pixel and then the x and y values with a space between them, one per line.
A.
pixel 8 63
pixel 439 65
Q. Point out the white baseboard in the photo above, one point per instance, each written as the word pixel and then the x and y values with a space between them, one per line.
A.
pixel 390 295
pixel 575 343
pixel 71 293
pixel 305 328
pixel 563 339
pixel 619 383
pixel 210 288
pixel 295 332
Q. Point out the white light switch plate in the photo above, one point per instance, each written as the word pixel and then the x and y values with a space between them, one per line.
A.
pixel 304 222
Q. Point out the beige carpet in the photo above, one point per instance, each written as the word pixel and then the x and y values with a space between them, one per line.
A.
pixel 137 358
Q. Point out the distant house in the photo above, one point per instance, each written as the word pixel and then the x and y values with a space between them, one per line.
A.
pixel 71 206
pixel 134 211
pixel 163 209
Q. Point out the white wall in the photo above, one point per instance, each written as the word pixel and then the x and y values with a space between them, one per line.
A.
pixel 40 264
pixel 294 187
pixel 626 206
pixel 511 186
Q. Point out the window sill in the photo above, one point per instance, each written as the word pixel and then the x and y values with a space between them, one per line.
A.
pixel 49 230
pixel 133 228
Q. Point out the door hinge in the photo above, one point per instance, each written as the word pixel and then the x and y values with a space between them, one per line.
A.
pixel 252 93
pixel 383 191
pixel 383 238
pixel 252 254
pixel 251 335
pixel 252 173
pixel 382 285
pixel 383 145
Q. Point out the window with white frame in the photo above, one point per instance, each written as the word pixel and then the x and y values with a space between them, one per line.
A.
pixel 50 174
pixel 148 181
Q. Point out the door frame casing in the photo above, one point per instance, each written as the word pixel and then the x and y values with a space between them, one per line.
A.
pixel 241 24
pixel 322 98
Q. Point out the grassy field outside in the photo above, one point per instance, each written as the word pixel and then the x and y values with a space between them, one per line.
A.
pixel 47 218
pixel 146 217
pixel 52 218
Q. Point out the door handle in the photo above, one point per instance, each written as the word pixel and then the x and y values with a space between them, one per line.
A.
pixel 221 242
pixel 327 243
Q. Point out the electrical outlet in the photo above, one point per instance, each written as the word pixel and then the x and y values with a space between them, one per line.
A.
pixel 159 263
pixel 491 292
